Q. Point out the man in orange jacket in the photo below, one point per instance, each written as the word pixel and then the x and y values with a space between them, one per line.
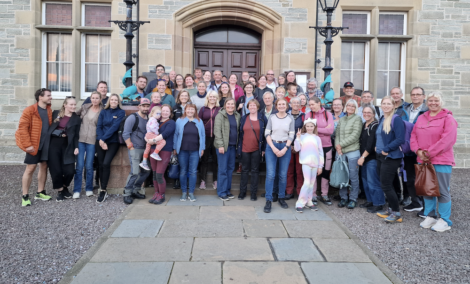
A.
pixel 31 137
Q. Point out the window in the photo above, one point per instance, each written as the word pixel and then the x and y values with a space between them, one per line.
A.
pixel 57 14
pixel 301 78
pixel 96 61
pixel 57 63
pixel 96 15
pixel 357 22
pixel 390 67
pixel 355 63
pixel 392 23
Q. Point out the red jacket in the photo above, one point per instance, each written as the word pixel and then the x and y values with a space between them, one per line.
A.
pixel 436 134
pixel 29 128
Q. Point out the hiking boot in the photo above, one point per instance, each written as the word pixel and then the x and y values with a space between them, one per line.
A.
pixel 202 185
pixel 428 223
pixel 144 166
pixel 128 199
pixel 159 201
pixel 267 207
pixel 191 197
pixel 375 209
pixel 42 196
pixel 156 156
pixel 394 217
pixel 253 197
pixel 275 197
pixel 441 226
pixel 184 196
pixel 352 204
pixel 366 204
pixel 384 213
pixel 342 203
pixel 25 200
pixel 102 196
pixel 283 203
pixel 241 196
pixel 325 200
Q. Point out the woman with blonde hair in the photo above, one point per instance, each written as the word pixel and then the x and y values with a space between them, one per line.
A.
pixel 390 135
pixel 89 114
pixel 225 93
pixel 107 140
pixel 63 137
pixel 208 113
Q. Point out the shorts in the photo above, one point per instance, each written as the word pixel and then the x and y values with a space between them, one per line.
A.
pixel 34 160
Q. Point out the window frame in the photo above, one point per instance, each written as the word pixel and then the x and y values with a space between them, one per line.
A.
pixel 82 12
pixel 43 12
pixel 55 94
pixel 358 12
pixel 405 21
pixel 366 62
pixel 83 94
pixel 402 67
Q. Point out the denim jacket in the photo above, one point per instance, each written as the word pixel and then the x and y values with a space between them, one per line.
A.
pixel 178 137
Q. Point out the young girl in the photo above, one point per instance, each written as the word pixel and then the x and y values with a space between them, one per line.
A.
pixel 152 133
pixel 311 158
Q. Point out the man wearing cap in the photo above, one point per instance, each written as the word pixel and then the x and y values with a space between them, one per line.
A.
pixel 135 141
pixel 349 94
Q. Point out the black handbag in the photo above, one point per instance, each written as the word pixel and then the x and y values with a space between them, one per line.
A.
pixel 58 133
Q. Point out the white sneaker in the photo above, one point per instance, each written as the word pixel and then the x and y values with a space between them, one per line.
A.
pixel 89 193
pixel 76 195
pixel 441 226
pixel 156 156
pixel 428 222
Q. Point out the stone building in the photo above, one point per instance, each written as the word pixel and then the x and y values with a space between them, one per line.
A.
pixel 69 46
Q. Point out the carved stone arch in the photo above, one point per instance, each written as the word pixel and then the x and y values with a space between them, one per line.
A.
pixel 246 13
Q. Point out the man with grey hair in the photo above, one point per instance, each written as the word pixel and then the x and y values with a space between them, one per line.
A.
pixel 400 104
pixel 217 74
pixel 268 109
pixel 312 89
pixel 367 99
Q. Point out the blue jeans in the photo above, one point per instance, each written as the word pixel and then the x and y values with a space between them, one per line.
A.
pixel 371 183
pixel 226 163
pixel 137 175
pixel 272 171
pixel 188 161
pixel 351 159
pixel 87 162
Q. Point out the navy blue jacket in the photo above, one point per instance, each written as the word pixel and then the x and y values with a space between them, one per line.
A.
pixel 262 126
pixel 108 125
pixel 393 140
pixel 401 111
pixel 167 130
pixel 299 122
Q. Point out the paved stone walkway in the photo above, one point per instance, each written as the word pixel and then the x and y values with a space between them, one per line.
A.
pixel 211 241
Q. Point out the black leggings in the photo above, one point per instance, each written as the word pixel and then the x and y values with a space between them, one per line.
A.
pixel 105 157
pixel 61 174
pixel 387 169
pixel 250 162
pixel 209 151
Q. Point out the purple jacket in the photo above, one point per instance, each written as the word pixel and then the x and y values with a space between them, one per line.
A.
pixel 208 118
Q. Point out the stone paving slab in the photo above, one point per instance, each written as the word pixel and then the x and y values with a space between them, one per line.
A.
pixel 308 214
pixel 264 229
pixel 144 249
pixel 263 273
pixel 138 229
pixel 261 201
pixel 293 249
pixel 125 273
pixel 227 213
pixel 201 200
pixel 164 213
pixel 314 229
pixel 196 273
pixel 145 202
pixel 277 213
pixel 340 273
pixel 225 249
pixel 341 250
pixel 201 229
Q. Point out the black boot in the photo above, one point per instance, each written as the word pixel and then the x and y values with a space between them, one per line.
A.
pixel 242 195
pixel 177 185
pixel 267 207
pixel 283 203
pixel 289 196
pixel 253 196
pixel 375 209
pixel 275 197
pixel 366 204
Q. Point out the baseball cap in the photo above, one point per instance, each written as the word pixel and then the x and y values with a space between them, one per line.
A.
pixel 348 84
pixel 144 101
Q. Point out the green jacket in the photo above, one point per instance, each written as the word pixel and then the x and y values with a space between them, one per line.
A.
pixel 222 129
pixel 348 133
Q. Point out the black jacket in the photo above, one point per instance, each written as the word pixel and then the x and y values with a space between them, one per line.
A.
pixel 368 140
pixel 177 112
pixel 258 93
pixel 72 130
pixel 242 99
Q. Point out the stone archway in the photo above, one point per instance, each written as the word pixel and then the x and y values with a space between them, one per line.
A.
pixel 245 13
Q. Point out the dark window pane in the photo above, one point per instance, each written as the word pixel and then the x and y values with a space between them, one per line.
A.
pixel 391 24
pixel 212 35
pixel 357 23
pixel 242 36
pixel 97 16
pixel 226 34
pixel 58 14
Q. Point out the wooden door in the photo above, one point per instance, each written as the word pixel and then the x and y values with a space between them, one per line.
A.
pixel 211 59
pixel 227 60
pixel 243 60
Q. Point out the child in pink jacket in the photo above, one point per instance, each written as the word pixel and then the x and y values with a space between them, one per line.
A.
pixel 152 133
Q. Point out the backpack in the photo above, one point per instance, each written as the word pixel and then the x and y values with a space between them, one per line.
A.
pixel 121 127
pixel 339 176
pixel 406 146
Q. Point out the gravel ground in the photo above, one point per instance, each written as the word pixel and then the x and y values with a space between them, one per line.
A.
pixel 40 243
pixel 419 255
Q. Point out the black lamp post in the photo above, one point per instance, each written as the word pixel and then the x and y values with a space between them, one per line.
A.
pixel 129 26
pixel 328 32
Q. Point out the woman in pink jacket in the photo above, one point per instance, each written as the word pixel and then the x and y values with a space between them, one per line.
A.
pixel 325 127
pixel 432 139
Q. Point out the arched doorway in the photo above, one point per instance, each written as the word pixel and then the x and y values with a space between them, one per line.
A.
pixel 231 49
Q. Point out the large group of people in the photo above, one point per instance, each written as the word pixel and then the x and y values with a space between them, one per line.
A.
pixel 210 122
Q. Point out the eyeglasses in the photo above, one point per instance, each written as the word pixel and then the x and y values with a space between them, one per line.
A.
pixel 70 97
pixel 272 74
pixel 416 95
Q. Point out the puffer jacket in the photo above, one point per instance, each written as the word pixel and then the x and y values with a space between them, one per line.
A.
pixel 325 125
pixel 436 134
pixel 29 128
pixel 222 129
pixel 348 133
